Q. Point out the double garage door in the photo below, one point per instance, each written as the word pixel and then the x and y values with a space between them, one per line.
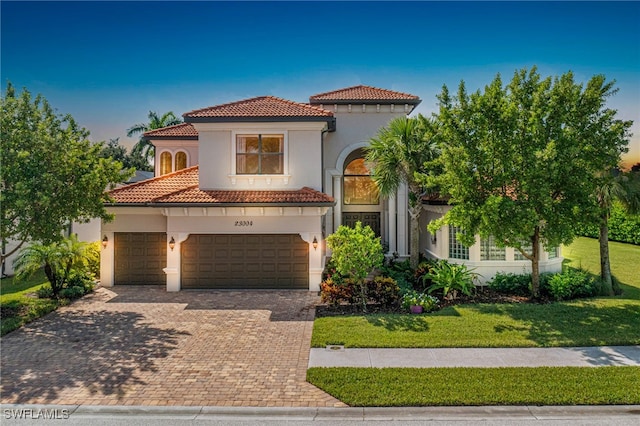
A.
pixel 244 261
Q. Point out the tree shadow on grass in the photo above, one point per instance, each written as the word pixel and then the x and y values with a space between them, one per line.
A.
pixel 415 323
pixel 102 351
pixel 583 323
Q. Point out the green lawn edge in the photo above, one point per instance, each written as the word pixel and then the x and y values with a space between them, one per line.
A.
pixel 588 322
pixel 415 387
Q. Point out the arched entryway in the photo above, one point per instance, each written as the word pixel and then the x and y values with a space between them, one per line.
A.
pixel 360 196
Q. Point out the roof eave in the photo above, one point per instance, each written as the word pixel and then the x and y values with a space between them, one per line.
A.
pixel 165 205
pixel 261 119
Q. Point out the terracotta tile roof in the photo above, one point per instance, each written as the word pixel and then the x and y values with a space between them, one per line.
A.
pixel 260 107
pixel 184 130
pixel 363 93
pixel 181 187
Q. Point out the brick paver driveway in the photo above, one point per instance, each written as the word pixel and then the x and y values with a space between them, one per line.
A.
pixel 143 346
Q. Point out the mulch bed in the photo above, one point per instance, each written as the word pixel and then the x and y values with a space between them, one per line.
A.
pixel 482 295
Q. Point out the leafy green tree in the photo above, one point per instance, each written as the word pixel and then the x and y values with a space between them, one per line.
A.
pixel 114 150
pixel 624 188
pixel 520 160
pixel 356 252
pixel 58 260
pixel 397 154
pixel 51 174
pixel 143 147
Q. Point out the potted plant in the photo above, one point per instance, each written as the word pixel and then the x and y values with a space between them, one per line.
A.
pixel 418 303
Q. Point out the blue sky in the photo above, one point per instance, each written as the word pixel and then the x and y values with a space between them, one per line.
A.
pixel 109 63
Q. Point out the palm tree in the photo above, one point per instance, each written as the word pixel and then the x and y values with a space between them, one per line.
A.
pixel 614 186
pixel 396 155
pixel 143 147
pixel 58 259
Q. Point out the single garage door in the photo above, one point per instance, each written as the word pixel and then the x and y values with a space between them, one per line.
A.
pixel 140 257
pixel 245 262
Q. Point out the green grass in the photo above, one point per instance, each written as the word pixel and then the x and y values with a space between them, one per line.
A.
pixel 479 386
pixel 19 304
pixel 589 322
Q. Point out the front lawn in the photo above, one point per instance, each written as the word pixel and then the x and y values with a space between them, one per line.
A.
pixel 589 322
pixel 19 304
pixel 387 387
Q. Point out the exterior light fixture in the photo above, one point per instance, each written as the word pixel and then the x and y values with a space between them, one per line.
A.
pixel 172 243
pixel 105 241
pixel 315 243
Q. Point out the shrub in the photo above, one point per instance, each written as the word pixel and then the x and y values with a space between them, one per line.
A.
pixel 422 281
pixel 384 291
pixel 334 293
pixel 82 280
pixel 45 292
pixel 451 279
pixel 414 298
pixel 623 227
pixel 356 252
pixel 573 284
pixel 72 292
pixel 512 284
pixel 92 259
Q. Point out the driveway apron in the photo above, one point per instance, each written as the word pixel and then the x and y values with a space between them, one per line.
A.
pixel 133 345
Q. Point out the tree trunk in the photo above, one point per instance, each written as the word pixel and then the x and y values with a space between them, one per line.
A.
pixel 535 264
pixel 605 265
pixel 414 245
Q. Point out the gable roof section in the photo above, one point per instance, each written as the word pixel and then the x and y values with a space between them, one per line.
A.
pixel 181 189
pixel 260 109
pixel 364 94
pixel 179 131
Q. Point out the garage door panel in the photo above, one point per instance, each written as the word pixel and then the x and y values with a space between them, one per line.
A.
pixel 139 258
pixel 245 261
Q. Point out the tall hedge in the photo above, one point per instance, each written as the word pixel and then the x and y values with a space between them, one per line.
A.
pixel 623 227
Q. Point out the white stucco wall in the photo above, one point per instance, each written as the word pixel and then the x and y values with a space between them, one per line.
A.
pixel 302 156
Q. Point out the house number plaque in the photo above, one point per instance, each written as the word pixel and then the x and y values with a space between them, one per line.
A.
pixel 243 223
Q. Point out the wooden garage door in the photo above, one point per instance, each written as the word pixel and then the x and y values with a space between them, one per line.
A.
pixel 245 262
pixel 140 257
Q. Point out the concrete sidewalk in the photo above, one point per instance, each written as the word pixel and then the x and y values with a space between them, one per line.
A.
pixel 337 356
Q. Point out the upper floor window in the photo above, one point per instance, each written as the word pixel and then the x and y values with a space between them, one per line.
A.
pixel 181 160
pixel 490 251
pixel 165 163
pixel 170 163
pixel 359 188
pixel 260 154
pixel 457 250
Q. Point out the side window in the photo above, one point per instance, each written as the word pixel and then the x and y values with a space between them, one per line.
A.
pixel 457 250
pixel 165 163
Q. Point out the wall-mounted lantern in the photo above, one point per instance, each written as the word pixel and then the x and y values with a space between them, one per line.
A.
pixel 172 243
pixel 315 243
pixel 105 241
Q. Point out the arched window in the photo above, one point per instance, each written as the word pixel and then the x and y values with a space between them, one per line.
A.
pixel 181 160
pixel 359 188
pixel 165 163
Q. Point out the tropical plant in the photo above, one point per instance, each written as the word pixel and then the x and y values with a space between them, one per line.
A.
pixel 624 188
pixel 115 151
pixel 58 260
pixel 397 153
pixel 356 252
pixel 451 278
pixel 519 160
pixel 143 146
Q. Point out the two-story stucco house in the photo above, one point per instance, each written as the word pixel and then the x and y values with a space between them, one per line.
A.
pixel 246 192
